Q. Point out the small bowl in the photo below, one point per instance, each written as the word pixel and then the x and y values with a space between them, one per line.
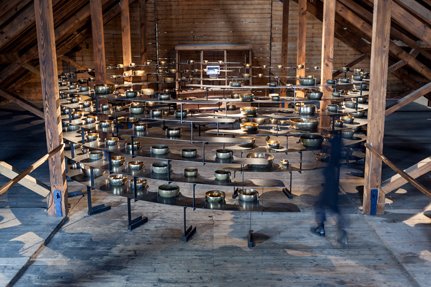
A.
pixel 97 171
pixel 136 146
pixel 131 94
pixel 105 124
pixel 117 160
pixel 189 152
pixel 249 111
pixel 135 165
pixel 284 163
pixel 95 155
pixel 159 149
pixel 92 137
pixel 248 194
pixel 315 96
pixel 160 167
pixel 169 190
pixel 275 96
pixel 224 154
pixel 140 127
pixel 247 97
pixel 273 143
pixel 117 179
pixel 215 196
pixel 141 184
pixel 190 172
pixel 347 119
pixel 347 133
pixel 164 97
pixel 249 127
pixel 222 175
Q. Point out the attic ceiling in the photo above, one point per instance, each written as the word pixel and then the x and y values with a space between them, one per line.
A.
pixel 410 34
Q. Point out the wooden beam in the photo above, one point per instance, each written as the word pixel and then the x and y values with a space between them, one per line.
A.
pixel 23 103
pixel 301 41
pixel 17 26
pixel 376 105
pixel 28 181
pixel 398 65
pixel 10 8
pixel 98 40
pixel 409 22
pixel 415 171
pixel 350 64
pixel 396 51
pixel 285 33
pixel 423 91
pixel 417 9
pixel 30 68
pixel 142 31
pixel 125 33
pixel 327 62
pixel 51 99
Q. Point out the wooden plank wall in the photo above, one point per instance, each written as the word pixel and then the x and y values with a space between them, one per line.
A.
pixel 207 21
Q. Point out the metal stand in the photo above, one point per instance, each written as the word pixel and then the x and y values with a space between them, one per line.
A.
pixel 136 222
pixel 288 191
pixel 188 231
pixel 95 209
pixel 250 237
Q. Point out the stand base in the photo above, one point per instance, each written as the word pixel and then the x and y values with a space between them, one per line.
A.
pixel 287 192
pixel 98 209
pixel 188 233
pixel 250 239
pixel 138 221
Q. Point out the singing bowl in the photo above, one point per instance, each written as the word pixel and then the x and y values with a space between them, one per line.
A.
pixel 117 160
pixel 169 190
pixel 215 196
pixel 224 153
pixel 95 155
pixel 141 184
pixel 311 140
pixel 249 127
pixel 189 152
pixel 135 165
pixel 190 172
pixel 305 124
pixel 160 167
pixel 222 175
pixel 97 171
pixel 117 179
pixel 159 149
pixel 247 194
pixel 261 155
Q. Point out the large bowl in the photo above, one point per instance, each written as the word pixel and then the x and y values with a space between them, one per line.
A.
pixel 247 194
pixel 305 124
pixel 215 196
pixel 222 175
pixel 308 110
pixel 159 149
pixel 268 159
pixel 311 140
pixel 169 190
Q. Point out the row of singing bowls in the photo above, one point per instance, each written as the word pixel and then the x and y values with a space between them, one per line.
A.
pixel 224 154
pixel 212 196
pixel 249 111
pixel 168 190
pixel 269 158
pixel 305 124
pixel 247 194
pixel 222 175
pixel 189 152
pixel 190 172
pixel 311 140
pixel 249 127
pixel 159 149
pixel 160 167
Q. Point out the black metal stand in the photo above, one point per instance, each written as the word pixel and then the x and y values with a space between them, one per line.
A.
pixel 250 237
pixel 188 231
pixel 95 209
pixel 136 222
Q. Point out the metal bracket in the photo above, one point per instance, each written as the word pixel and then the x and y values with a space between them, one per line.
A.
pixel 95 209
pixel 250 239
pixel 136 222
pixel 188 231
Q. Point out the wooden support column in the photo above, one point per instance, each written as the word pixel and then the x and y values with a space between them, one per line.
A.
pixel 98 40
pixel 301 41
pixel 285 33
pixel 142 31
pixel 51 100
pixel 377 100
pixel 125 32
pixel 327 64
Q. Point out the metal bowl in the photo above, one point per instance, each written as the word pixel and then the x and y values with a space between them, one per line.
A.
pixel 249 127
pixel 89 119
pixel 103 89
pixel 215 196
pixel 311 140
pixel 284 163
pixel 358 114
pixel 117 179
pixel 350 105
pixel 131 94
pixel 347 133
pixel 222 175
pixel 135 165
pixel 92 136
pixel 274 96
pixel 156 113
pixel 267 157
pixel 105 124
pixel 336 94
pixel 305 124
pixel 259 121
pixel 235 84
pixel 173 132
pixel 189 152
pixel 97 171
pixel 315 96
pixel 249 111
pixel 136 108
pixel 159 149
pixel 160 167
pixel 164 97
pixel 180 114
pixel 344 80
pixel 136 146
pixel 308 110
pixel 169 80
pixel 333 108
pixel 247 97
pixel 169 190
pixel 141 184
pixel 224 153
pixel 362 100
pixel 95 155
pixel 309 81
pixel 347 119
pixel 140 127
pixel 273 143
pixel 247 194
pixel 190 172
pixel 231 107
pixel 339 123
pixel 117 160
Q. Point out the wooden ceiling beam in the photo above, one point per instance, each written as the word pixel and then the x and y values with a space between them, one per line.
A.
pixel 10 8
pixel 401 63
pixel 417 9
pixel 350 64
pixel 411 97
pixel 285 33
pixel 22 22
pixel 23 103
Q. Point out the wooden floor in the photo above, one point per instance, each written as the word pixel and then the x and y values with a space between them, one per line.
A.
pixel 390 250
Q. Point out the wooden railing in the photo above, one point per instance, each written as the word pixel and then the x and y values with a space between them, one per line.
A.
pixel 405 175
pixel 29 169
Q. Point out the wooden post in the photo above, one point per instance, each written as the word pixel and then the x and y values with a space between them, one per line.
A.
pixel 285 33
pixel 51 100
pixel 327 64
pixel 125 32
pixel 377 101
pixel 301 41
pixel 142 31
pixel 98 40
